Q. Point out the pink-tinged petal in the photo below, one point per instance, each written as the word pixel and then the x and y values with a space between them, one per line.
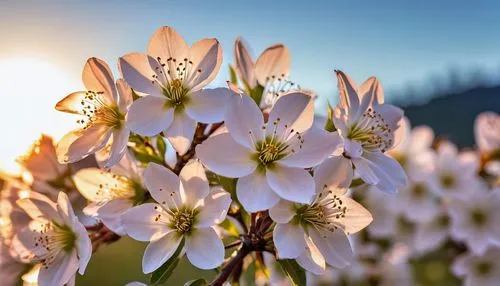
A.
pixel 348 91
pixel 97 77
pixel 213 208
pixel 159 251
pixel 206 56
pixel 61 271
pixel 95 184
pixel 124 94
pixel 65 209
pixel 391 114
pixel 181 132
pixel 293 184
pixel 118 147
pixel 311 259
pixel 167 43
pixel 317 145
pixel 208 105
pixel 244 62
pixel 391 176
pixel 38 206
pixel 254 193
pixel 402 138
pixel 163 185
pixel 282 212
pixel 141 222
pixel 334 172
pixel 356 217
pixel 72 103
pixel 222 155
pixel 292 113
pixel 334 246
pixel 289 240
pixel 194 182
pixel 110 213
pixel 41 160
pixel 372 90
pixel 421 138
pixel 138 69
pixel 24 243
pixel 365 171
pixel 244 120
pixel 487 131
pixel 149 115
pixel 204 249
pixel 83 246
pixel 352 148
pixel 273 63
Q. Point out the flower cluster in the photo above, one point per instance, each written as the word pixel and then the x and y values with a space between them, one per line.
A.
pixel 247 172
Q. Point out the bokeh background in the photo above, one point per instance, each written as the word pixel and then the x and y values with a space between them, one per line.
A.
pixel 440 60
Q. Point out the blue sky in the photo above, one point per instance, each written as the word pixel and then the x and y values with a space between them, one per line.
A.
pixel 398 41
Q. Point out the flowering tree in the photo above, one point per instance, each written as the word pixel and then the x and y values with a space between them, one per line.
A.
pixel 181 166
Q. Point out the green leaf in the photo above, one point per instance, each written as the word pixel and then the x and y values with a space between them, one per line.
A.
pixel 293 270
pixel 161 275
pixel 232 75
pixel 330 126
pixel 146 158
pixel 161 146
pixel 196 282
pixel 256 93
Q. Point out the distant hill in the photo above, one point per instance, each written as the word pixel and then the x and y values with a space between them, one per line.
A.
pixel 452 115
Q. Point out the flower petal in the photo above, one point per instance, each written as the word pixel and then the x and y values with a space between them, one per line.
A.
pixel 348 91
pixel 137 70
pixel 204 248
pixel 372 89
pixel 244 62
pixel 181 132
pixel 194 182
pixel 61 271
pixel 206 56
pixel 335 171
pixel 282 212
pixel 208 105
pixel 254 192
pixel 72 103
pixel 334 246
pixel 311 259
pixel 167 43
pixel 391 114
pixel 317 145
pixel 124 94
pixel 289 240
pixel 487 131
pixel 244 120
pixel 391 175
pixel 97 77
pixel 293 184
pixel 159 251
pixel 83 246
pixel 38 206
pixel 95 184
pixel 356 217
pixel 213 208
pixel 273 63
pixel 292 113
pixel 139 222
pixel 118 147
pixel 65 209
pixel 222 155
pixel 365 171
pixel 80 143
pixel 148 116
pixel 163 185
pixel 110 213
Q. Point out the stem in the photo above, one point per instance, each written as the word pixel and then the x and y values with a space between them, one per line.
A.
pixel 231 266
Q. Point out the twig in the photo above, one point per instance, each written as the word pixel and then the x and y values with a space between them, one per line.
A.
pixel 231 265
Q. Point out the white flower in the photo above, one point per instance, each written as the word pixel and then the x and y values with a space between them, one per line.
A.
pixel 185 210
pixel 431 234
pixel 487 131
pixel 453 173
pixel 385 214
pixel 416 201
pixel 55 238
pixel 475 217
pixel 269 158
pixel 315 233
pixel 366 126
pixel 10 268
pixel 111 192
pixel 173 75
pixel 271 71
pixel 102 109
pixel 477 270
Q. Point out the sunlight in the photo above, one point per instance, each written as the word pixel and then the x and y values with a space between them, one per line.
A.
pixel 30 89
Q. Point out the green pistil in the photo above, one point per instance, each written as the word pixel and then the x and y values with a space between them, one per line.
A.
pixel 69 239
pixel 183 220
pixel 177 94
pixel 269 151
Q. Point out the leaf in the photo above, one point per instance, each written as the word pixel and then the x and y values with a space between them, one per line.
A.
pixel 293 270
pixel 256 93
pixel 146 158
pixel 161 146
pixel 161 275
pixel 196 282
pixel 329 125
pixel 232 75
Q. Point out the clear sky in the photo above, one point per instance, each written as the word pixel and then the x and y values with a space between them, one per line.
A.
pixel 398 41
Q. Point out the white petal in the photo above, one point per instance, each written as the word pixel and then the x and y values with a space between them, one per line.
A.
pixel 254 193
pixel 213 209
pixel 334 246
pixel 244 62
pixel 181 132
pixel 311 259
pixel 421 138
pixel 149 115
pixel 372 88
pixel 136 69
pixel 124 94
pixel 72 103
pixel 194 181
pixel 94 184
pixel 140 224
pixel 204 249
pixel 356 217
pixel 159 251
pixel 274 62
pixel 79 143
pixel 391 114
pixel 244 120
pixel 118 147
pixel 167 43
pixel 365 172
pixel 487 131
pixel 97 77
pixel 163 185
pixel 293 111
pixel 348 91
pixel 391 175
pixel 289 240
pixel 60 271
pixel 206 56
pixel 335 171
pixel 282 212
pixel 318 144
pixel 222 155
pixel 38 206
pixel 65 209
pixel 83 246
pixel 208 105
pixel 352 148
pixel 293 184
pixel 110 213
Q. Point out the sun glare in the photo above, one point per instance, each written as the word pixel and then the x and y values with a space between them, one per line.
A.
pixel 30 89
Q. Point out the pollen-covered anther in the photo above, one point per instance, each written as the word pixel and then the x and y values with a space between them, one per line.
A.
pixel 372 132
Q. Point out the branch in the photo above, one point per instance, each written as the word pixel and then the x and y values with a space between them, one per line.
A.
pixel 231 266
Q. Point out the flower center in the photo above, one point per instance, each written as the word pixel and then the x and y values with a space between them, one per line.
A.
pixel 443 221
pixel 275 87
pixel 371 132
pixel 177 94
pixel 483 268
pixel 269 151
pixel 97 111
pixel 448 181
pixel 324 213
pixel 120 187
pixel 52 238
pixel 479 217
pixel 418 191
pixel 183 220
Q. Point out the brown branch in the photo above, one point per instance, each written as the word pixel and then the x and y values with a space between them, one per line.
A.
pixel 231 266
